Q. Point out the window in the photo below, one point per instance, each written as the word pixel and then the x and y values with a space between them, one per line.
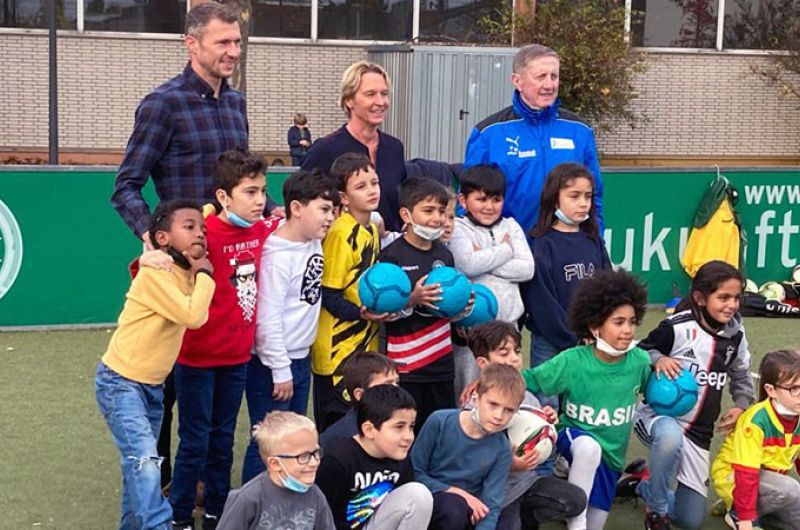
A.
pixel 674 23
pixel 138 16
pixel 365 19
pixel 455 20
pixel 759 24
pixel 33 13
pixel 281 18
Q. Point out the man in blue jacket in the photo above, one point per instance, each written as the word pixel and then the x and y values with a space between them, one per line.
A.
pixel 532 136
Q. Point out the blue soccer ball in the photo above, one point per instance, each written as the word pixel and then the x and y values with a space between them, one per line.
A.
pixel 456 290
pixel 384 288
pixel 485 308
pixel 671 397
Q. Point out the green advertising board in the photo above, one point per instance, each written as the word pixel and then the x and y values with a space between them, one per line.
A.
pixel 64 251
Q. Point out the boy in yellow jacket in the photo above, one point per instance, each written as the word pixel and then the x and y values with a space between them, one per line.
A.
pixel 159 306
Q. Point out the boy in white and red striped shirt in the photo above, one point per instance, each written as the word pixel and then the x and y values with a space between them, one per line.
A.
pixel 418 341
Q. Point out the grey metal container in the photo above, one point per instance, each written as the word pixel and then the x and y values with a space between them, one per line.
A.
pixel 439 93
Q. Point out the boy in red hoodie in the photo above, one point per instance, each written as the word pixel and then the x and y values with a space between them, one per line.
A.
pixel 211 370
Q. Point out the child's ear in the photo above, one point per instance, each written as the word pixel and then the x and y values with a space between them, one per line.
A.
pixel 162 238
pixel 462 200
pixel 357 393
pixel 405 215
pixel 272 464
pixel 482 362
pixel 698 298
pixel 369 429
pixel 295 207
pixel 770 390
pixel 343 199
pixel 222 197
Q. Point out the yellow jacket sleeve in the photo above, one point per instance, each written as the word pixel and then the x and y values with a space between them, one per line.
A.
pixel 158 291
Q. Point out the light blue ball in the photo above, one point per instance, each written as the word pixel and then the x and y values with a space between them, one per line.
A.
pixel 671 397
pixel 456 290
pixel 384 288
pixel 485 308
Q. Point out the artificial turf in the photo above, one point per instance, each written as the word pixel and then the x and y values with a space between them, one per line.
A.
pixel 59 468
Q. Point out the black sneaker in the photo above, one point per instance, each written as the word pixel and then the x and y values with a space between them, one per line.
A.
pixel 633 474
pixel 210 522
pixel 653 521
pixel 187 524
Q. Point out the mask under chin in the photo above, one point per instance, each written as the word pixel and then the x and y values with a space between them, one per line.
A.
pixel 180 260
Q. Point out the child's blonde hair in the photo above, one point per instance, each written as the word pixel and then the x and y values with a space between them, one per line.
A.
pixel 503 378
pixel 275 427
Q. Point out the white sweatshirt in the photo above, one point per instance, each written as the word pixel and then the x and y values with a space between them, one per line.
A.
pixel 289 302
pixel 497 265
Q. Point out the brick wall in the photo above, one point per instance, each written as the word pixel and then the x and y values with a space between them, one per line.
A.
pixel 699 105
pixel 707 105
pixel 101 81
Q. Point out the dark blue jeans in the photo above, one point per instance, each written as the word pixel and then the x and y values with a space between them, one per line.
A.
pixel 208 404
pixel 259 402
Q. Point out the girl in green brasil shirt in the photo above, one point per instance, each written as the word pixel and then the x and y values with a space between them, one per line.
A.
pixel 599 384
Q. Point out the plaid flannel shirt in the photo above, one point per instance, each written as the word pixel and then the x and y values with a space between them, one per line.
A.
pixel 179 132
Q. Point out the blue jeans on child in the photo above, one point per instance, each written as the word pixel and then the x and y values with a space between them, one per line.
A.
pixel 208 405
pixel 259 402
pixel 685 506
pixel 133 413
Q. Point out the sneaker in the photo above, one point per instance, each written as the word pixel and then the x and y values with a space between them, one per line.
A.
pixel 210 522
pixel 634 473
pixel 188 524
pixel 561 468
pixel 732 520
pixel 654 521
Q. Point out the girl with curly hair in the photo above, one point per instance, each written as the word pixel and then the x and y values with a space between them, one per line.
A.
pixel 599 383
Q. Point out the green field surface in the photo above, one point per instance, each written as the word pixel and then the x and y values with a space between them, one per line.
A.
pixel 59 467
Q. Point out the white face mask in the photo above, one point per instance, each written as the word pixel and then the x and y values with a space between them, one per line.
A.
pixel 782 409
pixel 427 233
pixel 607 348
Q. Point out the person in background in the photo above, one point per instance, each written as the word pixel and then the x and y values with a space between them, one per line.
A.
pixel 299 138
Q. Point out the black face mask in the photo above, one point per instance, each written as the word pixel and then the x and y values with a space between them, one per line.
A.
pixel 180 260
pixel 714 324
pixel 476 222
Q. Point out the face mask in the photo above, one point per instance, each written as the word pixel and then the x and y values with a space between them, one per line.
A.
pixel 179 259
pixel 561 216
pixel 476 419
pixel 291 483
pixel 238 221
pixel 782 410
pixel 427 233
pixel 608 349
pixel 711 321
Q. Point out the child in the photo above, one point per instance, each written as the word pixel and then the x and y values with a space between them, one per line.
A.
pixel 449 218
pixel 567 249
pixel 706 337
pixel 418 341
pixel 751 472
pixel 362 370
pixel 285 495
pixel 530 499
pixel 368 479
pixel 159 306
pixel 211 370
pixel 350 248
pixel 299 139
pixel 599 383
pixel 463 458
pixel 279 373
pixel 490 249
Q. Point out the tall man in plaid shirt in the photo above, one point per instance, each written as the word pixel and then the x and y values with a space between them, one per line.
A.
pixel 180 130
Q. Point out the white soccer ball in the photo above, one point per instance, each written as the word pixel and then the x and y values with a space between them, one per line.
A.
pixel 529 429
pixel 796 274
pixel 750 286
pixel 773 291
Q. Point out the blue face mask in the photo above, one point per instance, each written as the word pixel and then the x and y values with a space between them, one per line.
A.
pixel 238 221
pixel 561 216
pixel 291 483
